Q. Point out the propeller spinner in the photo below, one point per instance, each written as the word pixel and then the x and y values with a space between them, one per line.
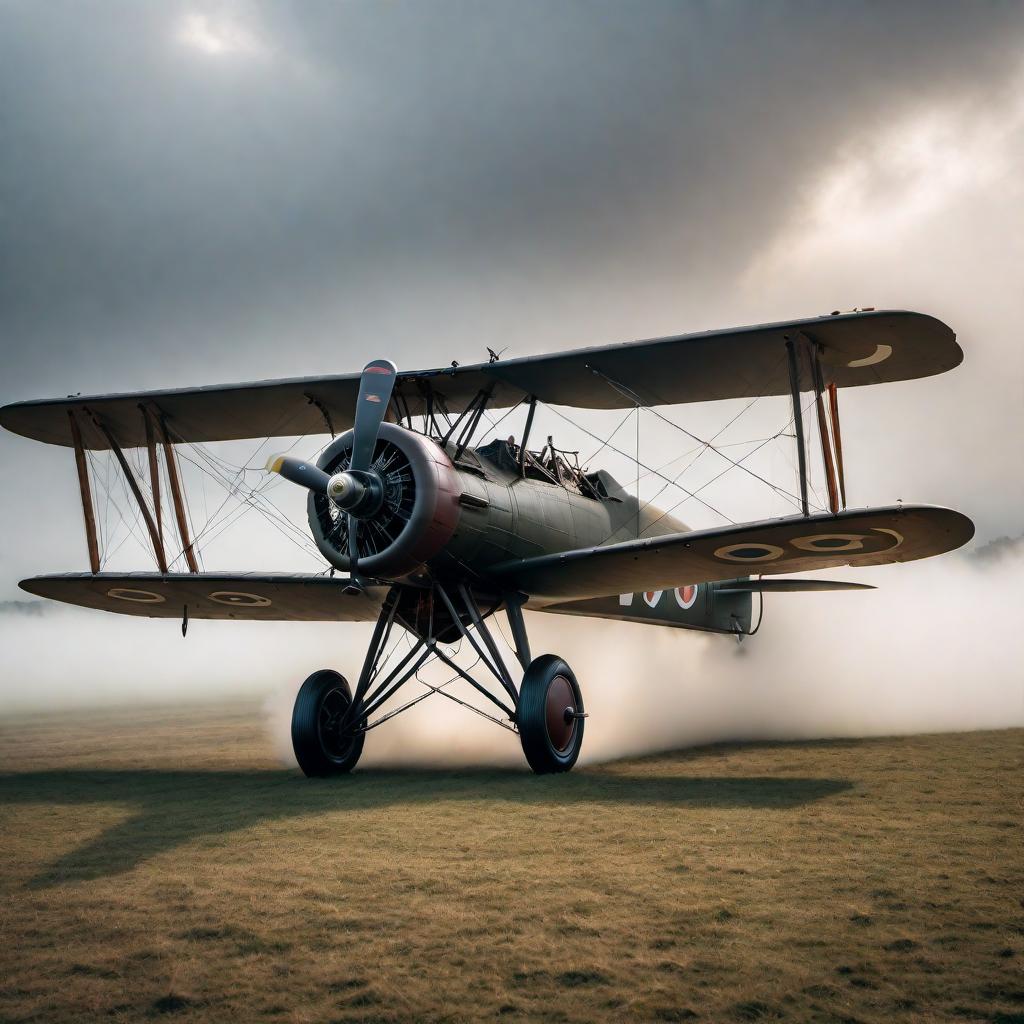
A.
pixel 358 490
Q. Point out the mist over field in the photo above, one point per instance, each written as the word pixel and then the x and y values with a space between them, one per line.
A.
pixel 932 650
pixel 205 193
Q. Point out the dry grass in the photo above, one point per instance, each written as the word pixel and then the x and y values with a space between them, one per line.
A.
pixel 158 865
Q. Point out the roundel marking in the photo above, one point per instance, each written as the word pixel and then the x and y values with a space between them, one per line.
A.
pixel 239 599
pixel 892 533
pixel 881 353
pixel 686 597
pixel 138 596
pixel 652 597
pixel 829 543
pixel 748 552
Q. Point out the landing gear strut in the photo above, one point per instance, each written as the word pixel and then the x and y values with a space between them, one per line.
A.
pixel 330 722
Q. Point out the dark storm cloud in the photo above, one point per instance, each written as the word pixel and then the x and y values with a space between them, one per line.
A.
pixel 152 190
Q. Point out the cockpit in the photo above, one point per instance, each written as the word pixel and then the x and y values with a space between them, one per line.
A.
pixel 550 464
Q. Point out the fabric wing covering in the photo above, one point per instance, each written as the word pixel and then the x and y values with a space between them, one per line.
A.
pixel 793 544
pixel 855 349
pixel 262 597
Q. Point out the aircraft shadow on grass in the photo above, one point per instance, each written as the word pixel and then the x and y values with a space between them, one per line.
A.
pixel 173 808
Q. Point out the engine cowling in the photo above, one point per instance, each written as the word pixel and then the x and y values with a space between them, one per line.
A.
pixel 418 514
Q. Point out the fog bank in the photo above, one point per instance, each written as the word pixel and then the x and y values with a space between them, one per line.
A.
pixel 934 649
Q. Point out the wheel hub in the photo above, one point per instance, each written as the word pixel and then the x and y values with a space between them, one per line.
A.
pixel 335 742
pixel 560 712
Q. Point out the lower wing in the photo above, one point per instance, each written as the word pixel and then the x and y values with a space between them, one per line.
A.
pixel 793 544
pixel 261 596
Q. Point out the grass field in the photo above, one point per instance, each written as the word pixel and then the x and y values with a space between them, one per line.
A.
pixel 158 864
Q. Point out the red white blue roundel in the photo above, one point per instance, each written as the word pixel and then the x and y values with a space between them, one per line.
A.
pixel 652 597
pixel 686 597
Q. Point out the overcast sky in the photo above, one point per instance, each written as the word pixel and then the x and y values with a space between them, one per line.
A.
pixel 203 192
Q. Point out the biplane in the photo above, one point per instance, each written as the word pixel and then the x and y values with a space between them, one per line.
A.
pixel 432 535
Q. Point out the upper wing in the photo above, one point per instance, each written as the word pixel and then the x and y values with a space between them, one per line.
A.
pixel 745 362
pixel 856 348
pixel 227 412
pixel 793 544
pixel 262 596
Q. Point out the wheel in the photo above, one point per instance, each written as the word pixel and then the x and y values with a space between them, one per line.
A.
pixel 550 715
pixel 320 747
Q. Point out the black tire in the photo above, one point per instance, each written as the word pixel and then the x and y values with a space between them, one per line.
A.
pixel 551 740
pixel 319 748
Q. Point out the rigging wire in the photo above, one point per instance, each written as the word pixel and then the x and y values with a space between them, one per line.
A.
pixel 682 501
pixel 494 424
pixel 627 393
pixel 650 469
pixel 604 444
pixel 236 490
pixel 94 485
pixel 703 447
pixel 130 527
pixel 249 501
pixel 761 445
pixel 255 498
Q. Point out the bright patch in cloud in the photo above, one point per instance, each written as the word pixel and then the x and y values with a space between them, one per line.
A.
pixel 217 37
pixel 878 190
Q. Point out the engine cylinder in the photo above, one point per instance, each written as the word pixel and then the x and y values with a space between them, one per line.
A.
pixel 418 514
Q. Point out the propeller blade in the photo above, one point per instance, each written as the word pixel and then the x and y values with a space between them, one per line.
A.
pixel 375 387
pixel 353 545
pixel 303 473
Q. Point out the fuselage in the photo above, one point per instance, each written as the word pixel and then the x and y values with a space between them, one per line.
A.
pixel 507 513
pixel 518 516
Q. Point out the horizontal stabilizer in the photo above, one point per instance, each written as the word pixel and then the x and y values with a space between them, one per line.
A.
pixel 265 597
pixel 744 362
pixel 790 587
pixel 794 544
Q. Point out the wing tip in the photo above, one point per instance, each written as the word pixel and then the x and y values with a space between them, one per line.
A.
pixel 17 418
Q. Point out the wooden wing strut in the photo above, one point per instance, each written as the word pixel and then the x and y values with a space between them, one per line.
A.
pixel 176 496
pixel 826 444
pixel 154 473
pixel 837 437
pixel 133 484
pixel 83 486
pixel 798 420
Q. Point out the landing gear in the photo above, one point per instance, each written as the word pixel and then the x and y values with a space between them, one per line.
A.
pixel 330 721
pixel 324 741
pixel 550 715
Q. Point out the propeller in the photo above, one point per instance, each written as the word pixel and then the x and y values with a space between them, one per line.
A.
pixel 357 490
